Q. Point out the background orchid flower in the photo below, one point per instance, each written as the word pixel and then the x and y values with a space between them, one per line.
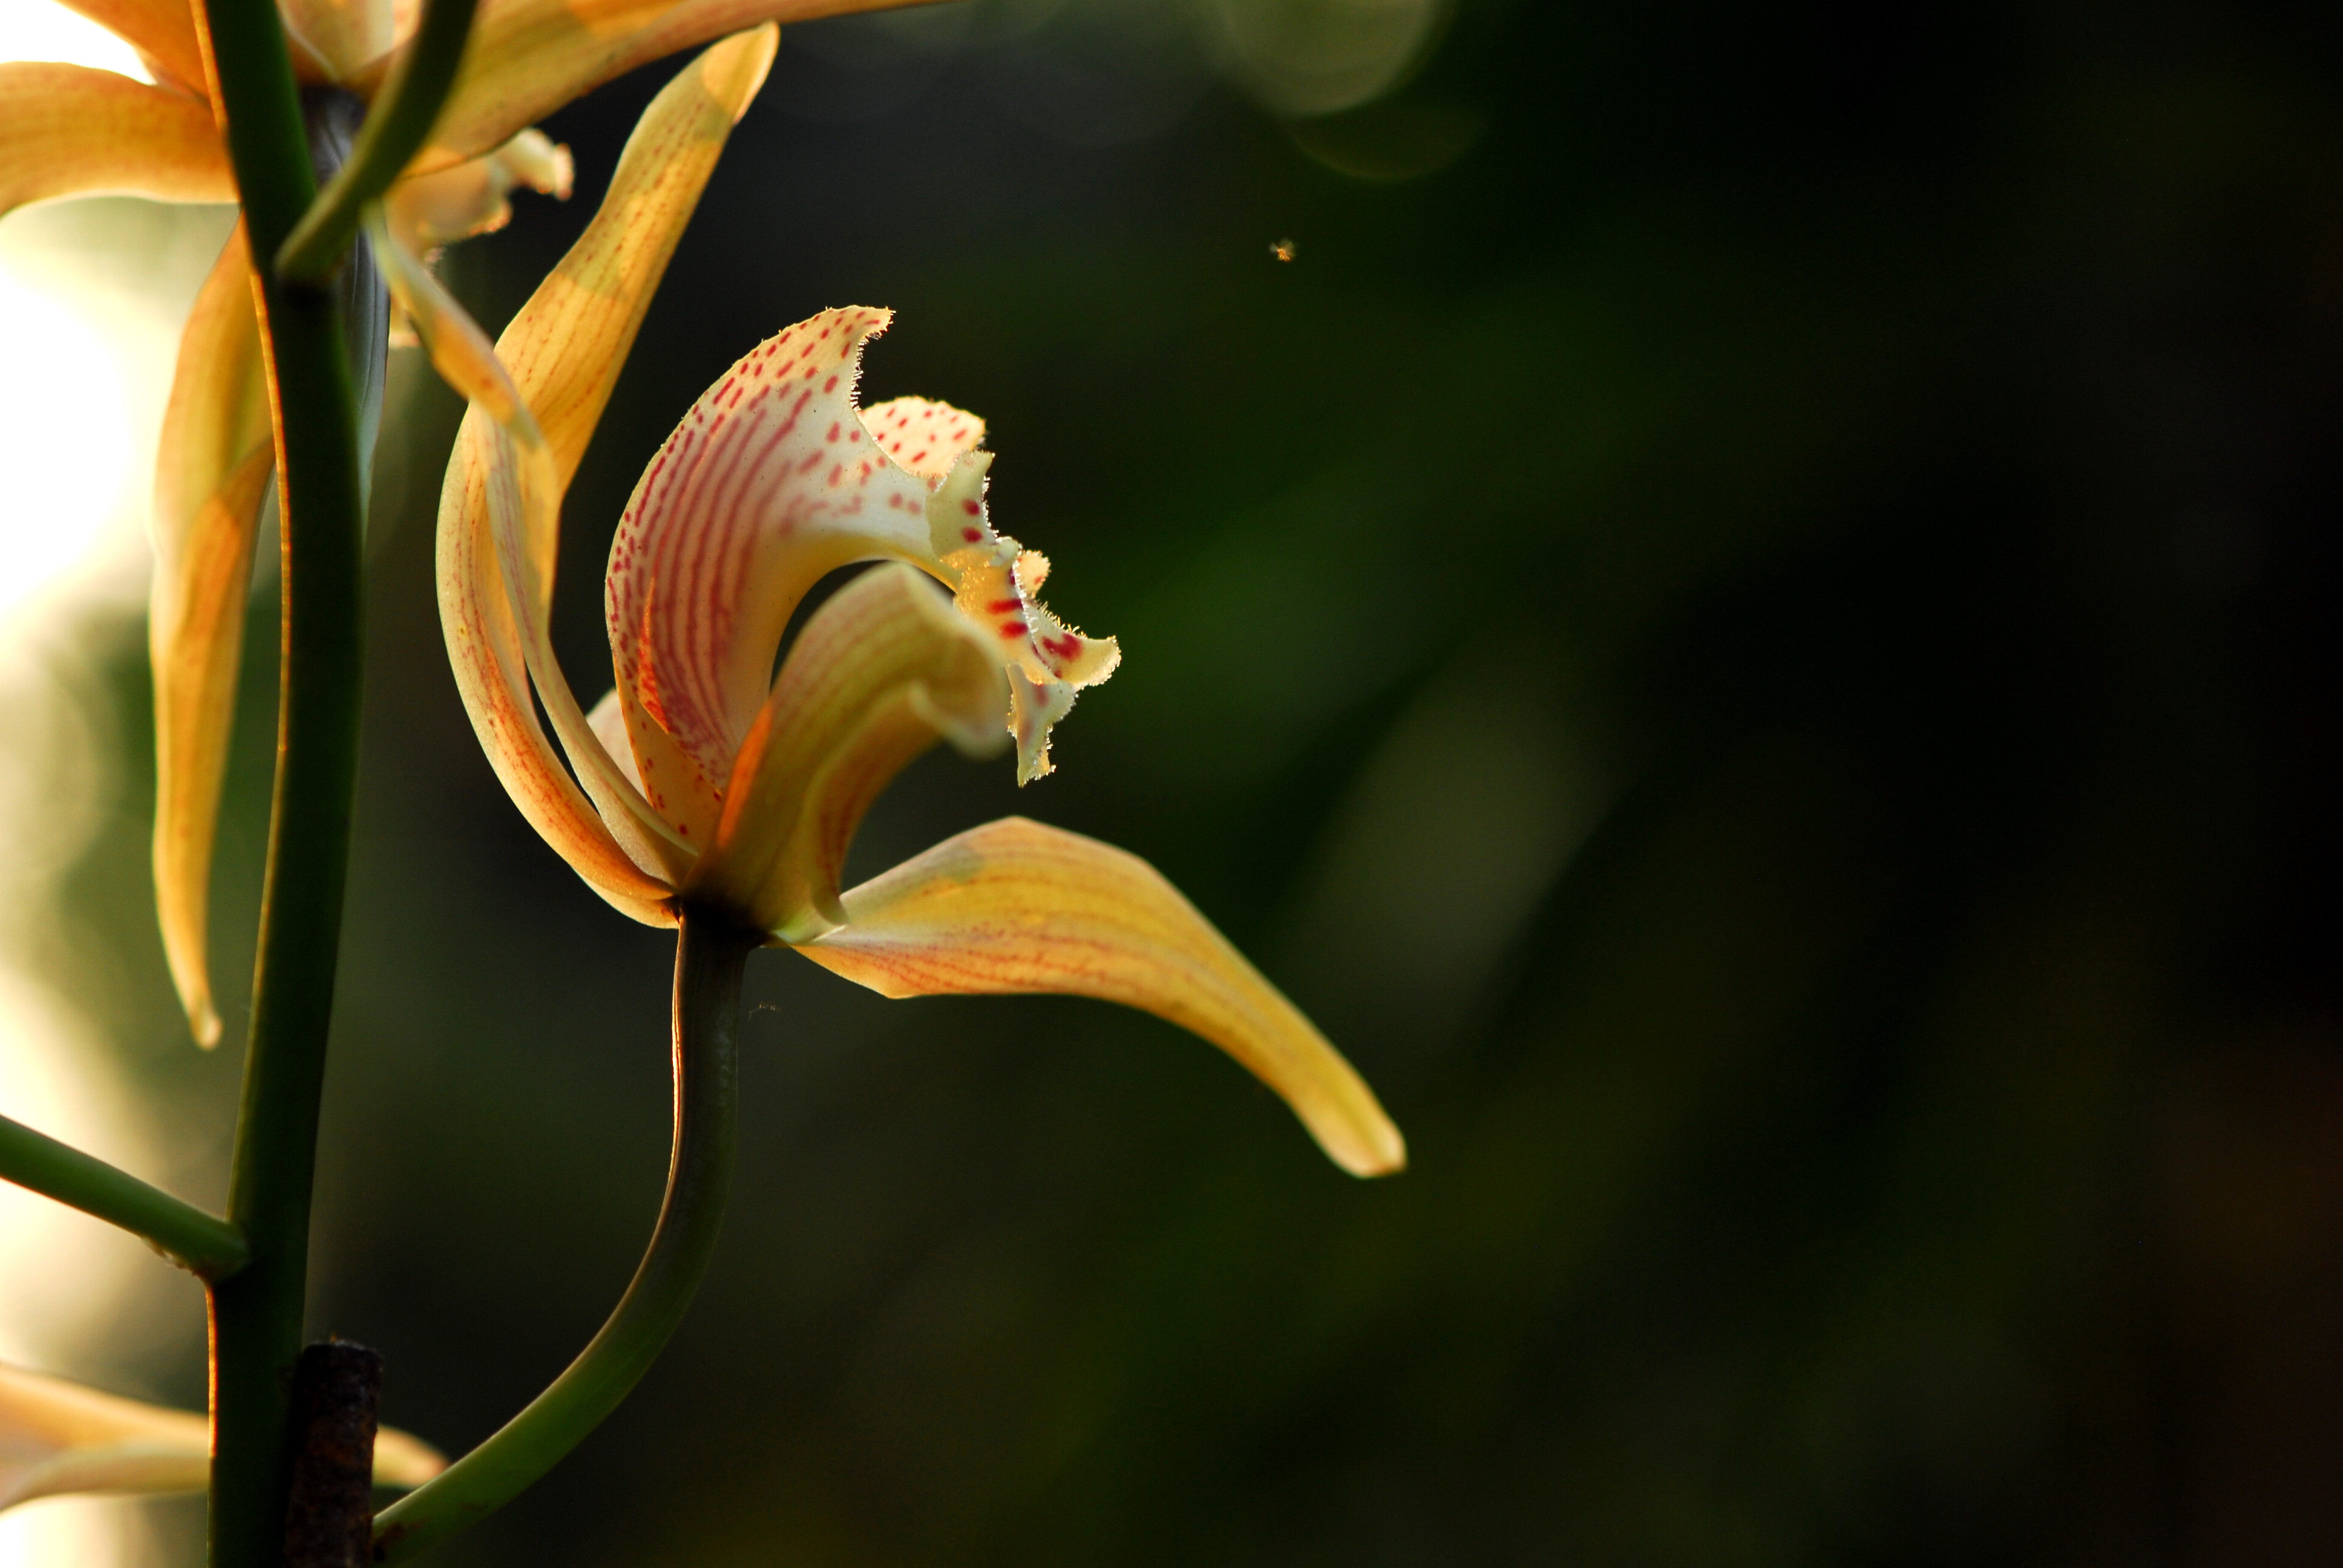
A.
pixel 701 779
pixel 71 130
pixel 57 1436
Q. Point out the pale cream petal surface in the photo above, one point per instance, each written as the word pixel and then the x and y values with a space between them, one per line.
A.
pixel 163 31
pixel 1015 906
pixel 212 469
pixel 528 58
pixel 337 39
pixel 72 130
pixel 57 1437
pixel 880 672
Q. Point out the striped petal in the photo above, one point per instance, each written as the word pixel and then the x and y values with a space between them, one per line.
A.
pixel 162 31
pixel 881 672
pixel 528 58
pixel 72 130
pixel 1014 907
pixel 211 474
pixel 773 479
pixel 59 1437
pixel 500 509
pixel 767 483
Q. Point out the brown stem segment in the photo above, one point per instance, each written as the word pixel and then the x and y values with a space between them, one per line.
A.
pixel 329 1517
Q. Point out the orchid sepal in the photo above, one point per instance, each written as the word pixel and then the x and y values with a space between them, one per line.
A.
pixel 1015 906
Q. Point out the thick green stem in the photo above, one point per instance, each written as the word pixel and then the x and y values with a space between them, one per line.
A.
pixel 179 1230
pixel 257 1314
pixel 709 955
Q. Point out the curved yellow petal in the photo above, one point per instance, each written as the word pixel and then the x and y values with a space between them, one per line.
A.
pixel 162 31
pixel 528 58
pixel 58 1437
pixel 880 672
pixel 501 474
pixel 211 474
pixel 72 130
pixel 499 512
pixel 1016 907
pixel 435 209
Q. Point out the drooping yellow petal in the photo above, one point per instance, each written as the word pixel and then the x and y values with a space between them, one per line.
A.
pixel 1016 907
pixel 435 209
pixel 58 1437
pixel 72 130
pixel 496 549
pixel 528 58
pixel 211 474
pixel 880 672
pixel 162 31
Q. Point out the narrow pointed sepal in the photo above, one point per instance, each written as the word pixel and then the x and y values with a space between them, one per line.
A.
pixel 58 1437
pixel 73 130
pixel 211 476
pixel 537 399
pixel 1016 907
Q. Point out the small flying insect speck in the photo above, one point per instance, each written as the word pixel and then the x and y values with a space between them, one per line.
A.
pixel 1282 250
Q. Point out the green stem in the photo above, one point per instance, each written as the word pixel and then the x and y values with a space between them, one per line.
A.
pixel 401 120
pixel 181 1232
pixel 257 1314
pixel 709 955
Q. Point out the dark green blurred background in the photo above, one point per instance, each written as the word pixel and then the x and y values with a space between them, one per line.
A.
pixel 1745 637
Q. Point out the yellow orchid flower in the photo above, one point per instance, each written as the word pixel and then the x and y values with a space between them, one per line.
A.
pixel 703 779
pixel 73 130
pixel 58 1437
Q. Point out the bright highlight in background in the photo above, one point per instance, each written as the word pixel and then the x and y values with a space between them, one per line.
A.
pixel 44 30
pixel 65 442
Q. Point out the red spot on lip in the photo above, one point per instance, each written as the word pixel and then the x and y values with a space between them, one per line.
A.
pixel 830 384
pixel 1005 606
pixel 834 429
pixel 972 535
pixel 1012 629
pixel 970 507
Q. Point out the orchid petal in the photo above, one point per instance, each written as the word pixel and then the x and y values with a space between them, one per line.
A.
pixel 162 31
pixel 502 472
pixel 880 672
pixel 769 482
pixel 337 39
pixel 499 513
pixel 1014 907
pixel 435 209
pixel 59 1437
pixel 528 58
pixel 772 479
pixel 73 130
pixel 211 475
